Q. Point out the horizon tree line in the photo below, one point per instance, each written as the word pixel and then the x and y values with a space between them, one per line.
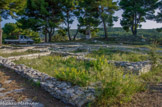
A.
pixel 49 15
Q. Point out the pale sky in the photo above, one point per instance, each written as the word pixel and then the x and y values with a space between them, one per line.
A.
pixel 148 25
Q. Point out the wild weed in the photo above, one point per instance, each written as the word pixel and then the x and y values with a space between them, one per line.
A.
pixel 112 84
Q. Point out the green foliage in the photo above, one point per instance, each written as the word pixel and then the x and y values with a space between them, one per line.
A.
pixel 107 9
pixel 117 55
pixel 58 38
pixel 61 32
pixel 153 55
pixel 136 12
pixel 89 16
pixel 119 89
pixel 154 76
pixel 112 84
pixel 46 16
pixel 68 9
pixel 32 34
pixel 12 31
pixel 9 7
pixel 158 17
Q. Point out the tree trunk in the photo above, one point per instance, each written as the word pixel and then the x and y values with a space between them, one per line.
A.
pixel 50 37
pixel 0 35
pixel 51 33
pixel 135 29
pixel 134 25
pixel 104 23
pixel 76 33
pixel 46 38
pixel 105 29
pixel 68 30
pixel 68 26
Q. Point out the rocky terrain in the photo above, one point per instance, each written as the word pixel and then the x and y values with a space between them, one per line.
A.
pixel 17 92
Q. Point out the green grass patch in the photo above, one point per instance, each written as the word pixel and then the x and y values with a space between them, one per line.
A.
pixel 154 76
pixel 118 55
pixel 18 53
pixel 112 84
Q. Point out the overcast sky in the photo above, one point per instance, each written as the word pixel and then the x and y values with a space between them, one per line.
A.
pixel 148 25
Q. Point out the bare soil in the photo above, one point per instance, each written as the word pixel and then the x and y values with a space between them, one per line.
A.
pixel 151 98
pixel 11 81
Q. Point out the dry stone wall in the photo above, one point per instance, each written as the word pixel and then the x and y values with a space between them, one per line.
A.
pixel 135 67
pixel 30 56
pixel 65 91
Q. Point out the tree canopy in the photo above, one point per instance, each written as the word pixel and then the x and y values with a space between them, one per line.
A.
pixel 10 8
pixel 135 12
pixel 12 31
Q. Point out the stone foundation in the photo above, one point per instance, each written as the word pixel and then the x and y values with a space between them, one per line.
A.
pixel 65 91
pixel 135 67
pixel 30 56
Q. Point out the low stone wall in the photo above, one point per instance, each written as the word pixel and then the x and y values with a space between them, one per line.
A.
pixel 136 67
pixel 15 49
pixel 65 91
pixel 29 56
pixel 68 53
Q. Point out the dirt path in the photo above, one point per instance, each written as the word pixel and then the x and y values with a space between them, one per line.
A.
pixel 16 89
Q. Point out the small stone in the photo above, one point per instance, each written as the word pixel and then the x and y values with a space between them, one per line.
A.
pixel 18 90
pixel 78 92
pixel 38 105
pixel 8 81
pixel 62 85
pixel 50 85
pixel 1 89
pixel 2 94
pixel 27 100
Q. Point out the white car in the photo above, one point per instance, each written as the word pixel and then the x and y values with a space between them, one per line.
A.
pixel 22 40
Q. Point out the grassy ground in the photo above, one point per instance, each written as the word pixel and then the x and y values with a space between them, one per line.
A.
pixel 18 53
pixel 154 76
pixel 113 86
pixel 114 54
pixel 108 80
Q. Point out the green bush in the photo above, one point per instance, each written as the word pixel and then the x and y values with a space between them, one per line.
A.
pixel 58 38
pixel 112 84
pixel 115 54
pixel 154 76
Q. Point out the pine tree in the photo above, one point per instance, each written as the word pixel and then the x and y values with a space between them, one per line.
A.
pixel 107 9
pixel 136 12
pixel 42 15
pixel 9 8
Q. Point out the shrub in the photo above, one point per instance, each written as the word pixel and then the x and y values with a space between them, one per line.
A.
pixel 114 54
pixel 153 55
pixel 58 38
pixel 112 84
pixel 154 76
